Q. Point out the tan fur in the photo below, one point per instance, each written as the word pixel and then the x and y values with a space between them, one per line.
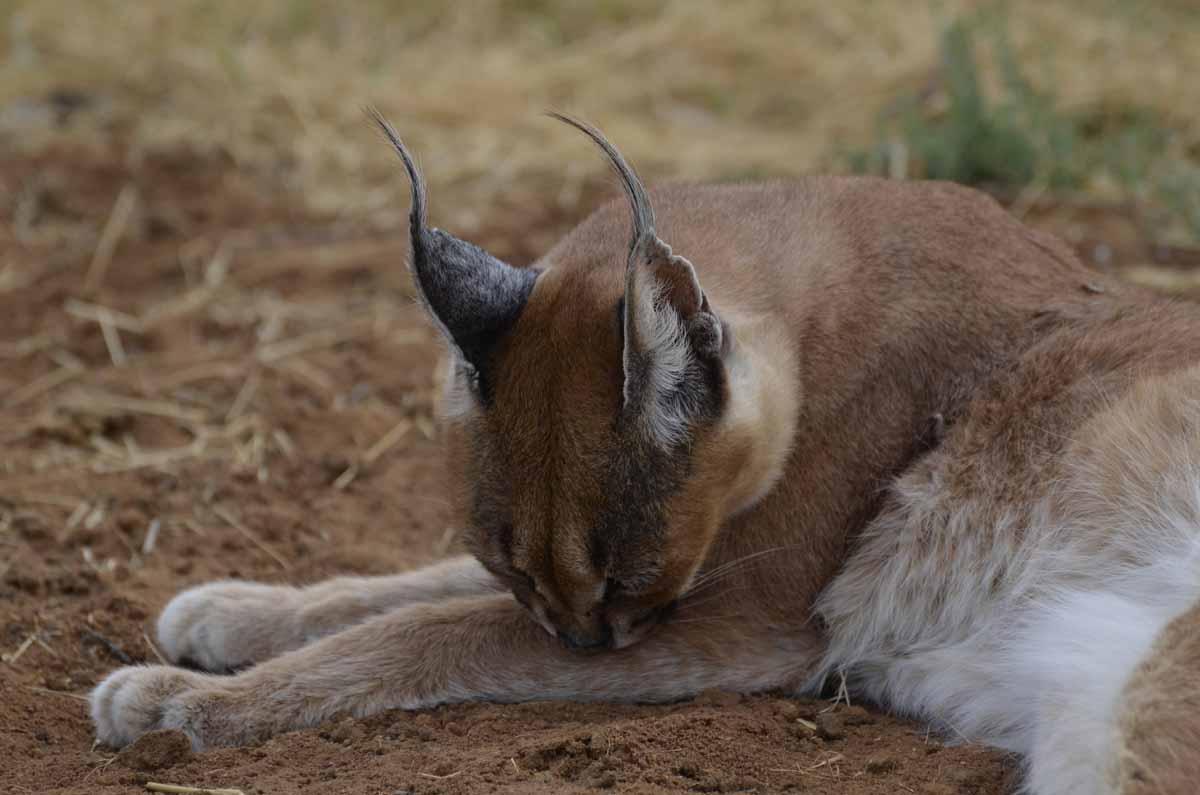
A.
pixel 856 310
pixel 1159 730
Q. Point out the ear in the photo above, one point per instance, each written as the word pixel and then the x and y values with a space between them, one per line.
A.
pixel 473 297
pixel 670 317
pixel 674 342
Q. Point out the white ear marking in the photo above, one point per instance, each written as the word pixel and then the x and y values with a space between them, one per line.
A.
pixel 664 355
pixel 457 401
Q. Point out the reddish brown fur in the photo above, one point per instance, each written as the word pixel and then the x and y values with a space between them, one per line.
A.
pixel 873 281
pixel 857 309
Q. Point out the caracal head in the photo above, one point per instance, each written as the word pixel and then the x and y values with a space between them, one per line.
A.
pixel 593 412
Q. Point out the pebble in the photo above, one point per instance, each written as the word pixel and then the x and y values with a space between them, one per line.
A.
pixel 830 726
pixel 156 750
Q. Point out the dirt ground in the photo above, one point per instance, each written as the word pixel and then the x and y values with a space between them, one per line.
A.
pixel 198 380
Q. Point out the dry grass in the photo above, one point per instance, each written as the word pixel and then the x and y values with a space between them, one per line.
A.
pixel 701 89
pixel 176 789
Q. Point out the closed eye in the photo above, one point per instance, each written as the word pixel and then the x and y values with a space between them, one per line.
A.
pixel 632 585
pixel 660 613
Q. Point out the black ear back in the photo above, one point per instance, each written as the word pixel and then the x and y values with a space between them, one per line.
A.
pixel 475 297
pixel 472 296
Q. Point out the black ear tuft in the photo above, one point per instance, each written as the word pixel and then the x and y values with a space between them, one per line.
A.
pixel 474 297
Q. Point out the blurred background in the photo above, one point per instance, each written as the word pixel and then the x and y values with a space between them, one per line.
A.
pixel 1087 103
pixel 211 362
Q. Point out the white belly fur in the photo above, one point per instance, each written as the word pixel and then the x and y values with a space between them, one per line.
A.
pixel 1019 625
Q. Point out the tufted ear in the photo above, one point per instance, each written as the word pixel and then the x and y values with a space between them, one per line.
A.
pixel 473 297
pixel 674 342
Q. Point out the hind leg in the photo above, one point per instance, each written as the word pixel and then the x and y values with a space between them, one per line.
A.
pixel 1158 750
pixel 222 626
pixel 1117 686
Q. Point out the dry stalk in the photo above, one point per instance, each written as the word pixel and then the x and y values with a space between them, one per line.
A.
pixel 250 535
pixel 445 542
pixel 305 373
pixel 387 441
pixel 244 396
pixel 151 539
pixel 284 442
pixel 98 313
pixel 27 346
pixel 156 459
pixel 13 657
pixel 47 691
pixel 373 453
pixel 48 498
pixel 81 510
pixel 112 340
pixel 199 372
pixel 91 636
pixel 40 386
pixel 325 338
pixel 426 427
pixel 103 404
pixel 106 447
pixel 158 655
pixel 346 478
pixel 64 358
pixel 177 789
pixel 113 231
pixel 177 307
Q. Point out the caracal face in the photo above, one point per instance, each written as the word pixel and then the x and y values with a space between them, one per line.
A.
pixel 592 433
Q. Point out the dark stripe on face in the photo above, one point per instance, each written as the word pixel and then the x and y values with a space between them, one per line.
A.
pixel 642 477
pixel 640 482
pixel 621 323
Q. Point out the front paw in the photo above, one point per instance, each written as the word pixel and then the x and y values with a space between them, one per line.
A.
pixel 135 700
pixel 224 626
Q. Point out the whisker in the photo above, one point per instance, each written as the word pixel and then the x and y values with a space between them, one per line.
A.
pixel 744 559
pixel 686 605
pixel 717 580
pixel 705 618
pixel 706 579
pixel 709 583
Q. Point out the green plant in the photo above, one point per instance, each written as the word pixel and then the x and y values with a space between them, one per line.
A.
pixel 1179 194
pixel 957 132
pixel 984 122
